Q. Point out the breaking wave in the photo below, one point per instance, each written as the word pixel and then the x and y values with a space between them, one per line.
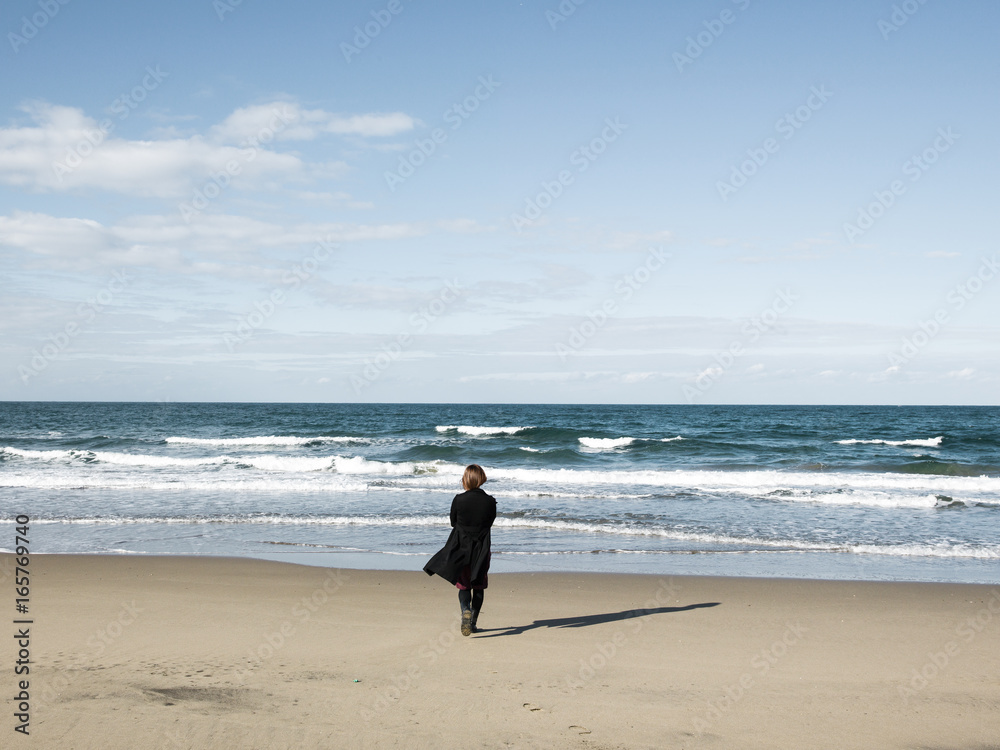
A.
pixel 933 442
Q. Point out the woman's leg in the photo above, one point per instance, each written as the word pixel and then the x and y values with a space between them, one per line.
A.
pixel 465 599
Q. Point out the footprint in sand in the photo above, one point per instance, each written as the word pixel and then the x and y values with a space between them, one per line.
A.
pixel 579 729
pixel 532 707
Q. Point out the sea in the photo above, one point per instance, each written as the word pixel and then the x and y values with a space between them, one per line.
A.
pixel 819 492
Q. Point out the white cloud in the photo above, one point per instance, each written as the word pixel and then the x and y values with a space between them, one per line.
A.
pixel 711 372
pixel 287 121
pixel 885 374
pixel 964 374
pixel 339 199
pixel 63 149
pixel 168 242
pixel 809 243
pixel 610 376
pixel 308 195
pixel 464 226
pixel 625 240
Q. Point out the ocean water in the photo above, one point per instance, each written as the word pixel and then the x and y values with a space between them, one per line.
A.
pixel 874 493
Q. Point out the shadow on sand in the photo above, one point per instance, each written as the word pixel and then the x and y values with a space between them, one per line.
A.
pixel 582 621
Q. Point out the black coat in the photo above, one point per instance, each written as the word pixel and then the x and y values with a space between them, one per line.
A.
pixel 472 515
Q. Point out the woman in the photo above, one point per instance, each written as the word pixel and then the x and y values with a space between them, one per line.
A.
pixel 465 558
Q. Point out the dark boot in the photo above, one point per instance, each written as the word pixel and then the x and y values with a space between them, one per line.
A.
pixel 478 595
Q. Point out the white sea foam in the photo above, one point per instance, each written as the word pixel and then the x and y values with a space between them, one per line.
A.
pixel 608 444
pixel 901 550
pixel 266 462
pixel 287 463
pixel 941 549
pixel 359 465
pixel 938 549
pixel 572 495
pixel 255 520
pixel 530 450
pixel 866 489
pixel 643 530
pixel 874 499
pixel 142 459
pixel 755 482
pixel 71 468
pixel 919 442
pixel 605 444
pixel 265 440
pixel 477 431
pixel 232 485
pixel 51 455
pixel 929 550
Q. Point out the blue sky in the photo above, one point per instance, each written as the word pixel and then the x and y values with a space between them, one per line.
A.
pixel 699 202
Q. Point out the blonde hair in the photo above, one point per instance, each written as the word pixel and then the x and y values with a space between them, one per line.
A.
pixel 473 477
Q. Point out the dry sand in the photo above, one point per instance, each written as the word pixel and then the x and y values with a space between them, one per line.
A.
pixel 174 652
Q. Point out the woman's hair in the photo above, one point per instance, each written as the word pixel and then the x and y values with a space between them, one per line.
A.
pixel 473 477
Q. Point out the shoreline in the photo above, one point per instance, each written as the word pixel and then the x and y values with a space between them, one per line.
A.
pixel 792 565
pixel 165 651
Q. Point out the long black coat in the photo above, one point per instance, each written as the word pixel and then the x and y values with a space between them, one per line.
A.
pixel 472 515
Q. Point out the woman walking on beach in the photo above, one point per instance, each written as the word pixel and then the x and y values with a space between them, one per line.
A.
pixel 465 558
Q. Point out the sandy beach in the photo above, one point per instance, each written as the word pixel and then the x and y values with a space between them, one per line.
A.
pixel 184 652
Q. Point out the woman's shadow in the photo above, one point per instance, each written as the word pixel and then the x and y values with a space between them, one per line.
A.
pixel 582 621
